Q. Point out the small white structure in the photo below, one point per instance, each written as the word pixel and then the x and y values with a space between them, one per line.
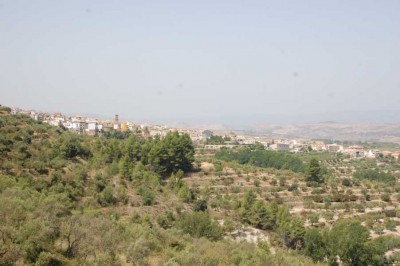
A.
pixel 280 146
pixel 334 148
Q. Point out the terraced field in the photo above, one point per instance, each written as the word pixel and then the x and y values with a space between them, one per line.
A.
pixel 376 204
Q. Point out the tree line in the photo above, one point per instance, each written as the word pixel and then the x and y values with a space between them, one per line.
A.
pixel 262 158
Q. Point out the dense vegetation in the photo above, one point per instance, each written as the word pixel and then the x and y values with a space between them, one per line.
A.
pixel 262 158
pixel 272 217
pixel 120 199
pixel 350 241
pixel 68 199
pixel 217 140
pixel 374 175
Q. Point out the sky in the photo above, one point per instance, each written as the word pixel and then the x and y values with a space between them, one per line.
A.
pixel 182 60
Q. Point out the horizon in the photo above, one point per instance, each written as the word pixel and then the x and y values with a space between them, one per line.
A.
pixel 181 62
pixel 383 132
pixel 373 117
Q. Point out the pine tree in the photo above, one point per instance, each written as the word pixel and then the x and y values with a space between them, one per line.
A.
pixel 313 173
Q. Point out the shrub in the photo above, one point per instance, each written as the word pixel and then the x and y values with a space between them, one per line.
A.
pixel 378 229
pixel 317 191
pixel 346 182
pixel 360 208
pixel 199 224
pixel 108 195
pixel 337 197
pixel 390 213
pixel 385 197
pixel 235 189
pixel 228 181
pixel 367 197
pixel 46 258
pixel 166 221
pixel 390 225
pixel 353 197
pixel 318 198
pixel 293 187
pixel 200 205
pixel 314 218
pixel 312 184
pixel 147 198
pixel 185 194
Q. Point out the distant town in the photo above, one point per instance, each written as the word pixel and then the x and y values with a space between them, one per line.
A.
pixel 203 138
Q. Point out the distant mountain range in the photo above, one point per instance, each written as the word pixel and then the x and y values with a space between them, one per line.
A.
pixel 372 117
pixel 335 131
pixel 381 125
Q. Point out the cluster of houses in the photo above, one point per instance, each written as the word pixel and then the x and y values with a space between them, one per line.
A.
pixel 96 127
pixel 79 124
pixel 293 145
pixel 359 152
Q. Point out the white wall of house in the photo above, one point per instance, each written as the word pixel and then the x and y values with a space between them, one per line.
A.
pixel 92 126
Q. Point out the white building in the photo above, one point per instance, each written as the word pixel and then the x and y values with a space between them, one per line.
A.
pixel 372 154
pixel 334 148
pixel 280 146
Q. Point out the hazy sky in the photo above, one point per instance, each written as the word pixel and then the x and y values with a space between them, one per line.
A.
pixel 176 59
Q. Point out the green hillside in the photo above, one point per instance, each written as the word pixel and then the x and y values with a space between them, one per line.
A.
pixel 120 199
pixel 68 199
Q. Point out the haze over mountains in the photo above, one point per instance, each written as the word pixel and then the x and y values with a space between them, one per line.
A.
pixel 381 125
pixel 243 121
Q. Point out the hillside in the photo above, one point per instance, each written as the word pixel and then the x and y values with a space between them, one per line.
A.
pixel 120 199
pixel 68 199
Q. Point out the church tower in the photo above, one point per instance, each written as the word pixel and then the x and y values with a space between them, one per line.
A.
pixel 116 123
